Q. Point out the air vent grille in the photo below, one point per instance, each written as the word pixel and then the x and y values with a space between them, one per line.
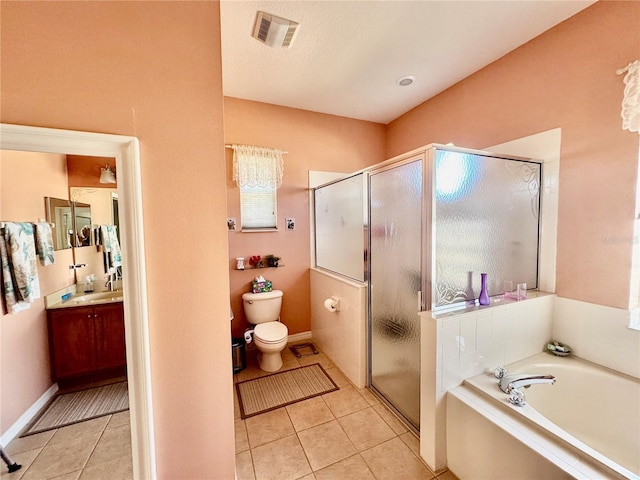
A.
pixel 274 31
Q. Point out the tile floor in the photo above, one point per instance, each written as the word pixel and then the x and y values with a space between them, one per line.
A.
pixel 97 449
pixel 343 435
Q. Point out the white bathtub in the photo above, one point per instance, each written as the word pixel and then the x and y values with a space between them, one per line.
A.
pixel 586 425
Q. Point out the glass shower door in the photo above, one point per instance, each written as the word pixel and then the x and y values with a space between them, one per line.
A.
pixel 394 280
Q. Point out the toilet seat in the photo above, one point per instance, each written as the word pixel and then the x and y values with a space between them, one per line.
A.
pixel 270 332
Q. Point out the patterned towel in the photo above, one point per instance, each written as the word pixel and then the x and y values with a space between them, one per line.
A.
pixel 111 245
pixel 19 266
pixel 44 243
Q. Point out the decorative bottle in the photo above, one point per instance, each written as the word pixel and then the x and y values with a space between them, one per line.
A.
pixel 483 299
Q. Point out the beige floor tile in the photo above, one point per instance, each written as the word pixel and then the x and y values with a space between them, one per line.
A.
pixel 236 404
pixel 70 476
pixel 326 444
pixel 366 429
pixel 321 358
pixel 338 377
pixel 61 458
pixel 345 401
pixel 283 459
pixel 311 476
pixel 352 468
pixel 242 440
pixel 368 396
pixel 23 458
pixel 119 419
pixel 395 424
pixel 411 441
pixel 88 427
pixel 30 442
pixel 448 475
pixel 267 427
pixel 393 459
pixel 244 466
pixel 116 469
pixel 114 444
pixel 309 413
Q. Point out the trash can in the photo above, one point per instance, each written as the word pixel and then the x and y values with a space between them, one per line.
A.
pixel 238 354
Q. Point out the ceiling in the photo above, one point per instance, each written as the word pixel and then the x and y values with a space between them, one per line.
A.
pixel 346 56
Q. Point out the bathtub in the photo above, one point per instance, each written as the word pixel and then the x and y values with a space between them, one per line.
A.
pixel 586 425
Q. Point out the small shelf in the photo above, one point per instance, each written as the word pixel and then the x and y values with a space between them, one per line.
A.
pixel 257 268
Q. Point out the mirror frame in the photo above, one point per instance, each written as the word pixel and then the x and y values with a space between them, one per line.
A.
pixel 126 151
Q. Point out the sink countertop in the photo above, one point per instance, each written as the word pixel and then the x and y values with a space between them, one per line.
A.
pixel 55 300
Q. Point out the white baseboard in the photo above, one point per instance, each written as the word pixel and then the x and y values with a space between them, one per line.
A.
pixel 27 416
pixel 298 337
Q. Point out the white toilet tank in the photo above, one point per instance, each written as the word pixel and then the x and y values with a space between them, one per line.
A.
pixel 262 307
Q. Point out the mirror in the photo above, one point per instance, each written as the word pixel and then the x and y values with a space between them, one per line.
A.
pixel 59 212
pixel 72 223
pixel 82 224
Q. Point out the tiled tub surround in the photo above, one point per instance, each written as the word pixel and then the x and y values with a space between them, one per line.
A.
pixel 584 426
pixel 598 333
pixel 462 344
pixel 341 335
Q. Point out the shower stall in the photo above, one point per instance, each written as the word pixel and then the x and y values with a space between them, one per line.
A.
pixel 419 229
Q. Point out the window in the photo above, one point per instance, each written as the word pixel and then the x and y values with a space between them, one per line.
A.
pixel 258 208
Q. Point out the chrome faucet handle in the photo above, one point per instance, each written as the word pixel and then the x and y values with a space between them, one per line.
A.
pixel 517 398
pixel 500 372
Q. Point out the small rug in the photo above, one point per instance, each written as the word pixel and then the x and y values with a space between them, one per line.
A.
pixel 75 407
pixel 283 388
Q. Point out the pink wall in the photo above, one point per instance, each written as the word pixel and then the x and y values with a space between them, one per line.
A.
pixel 314 141
pixel 564 78
pixel 25 179
pixel 152 70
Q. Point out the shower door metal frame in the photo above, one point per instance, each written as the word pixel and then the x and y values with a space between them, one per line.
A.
pixel 424 296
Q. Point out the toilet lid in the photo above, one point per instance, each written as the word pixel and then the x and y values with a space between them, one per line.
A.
pixel 271 331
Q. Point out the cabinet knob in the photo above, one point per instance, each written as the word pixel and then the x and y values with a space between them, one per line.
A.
pixel 95 315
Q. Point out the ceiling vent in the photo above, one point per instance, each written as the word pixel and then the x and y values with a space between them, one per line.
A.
pixel 274 31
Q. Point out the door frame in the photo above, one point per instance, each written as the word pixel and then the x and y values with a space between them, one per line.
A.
pixel 126 151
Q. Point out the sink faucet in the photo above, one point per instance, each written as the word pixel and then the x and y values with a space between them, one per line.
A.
pixel 111 281
pixel 511 384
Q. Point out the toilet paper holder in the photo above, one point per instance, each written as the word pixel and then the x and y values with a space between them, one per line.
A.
pixel 332 304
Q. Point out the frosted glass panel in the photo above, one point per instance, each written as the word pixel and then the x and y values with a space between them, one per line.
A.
pixel 340 212
pixel 395 279
pixel 485 221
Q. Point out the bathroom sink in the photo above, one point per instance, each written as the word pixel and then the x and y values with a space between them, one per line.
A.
pixel 98 297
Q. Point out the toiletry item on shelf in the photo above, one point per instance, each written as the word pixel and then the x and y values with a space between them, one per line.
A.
pixel 483 299
pixel 240 263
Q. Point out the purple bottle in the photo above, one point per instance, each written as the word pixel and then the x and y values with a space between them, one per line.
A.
pixel 483 299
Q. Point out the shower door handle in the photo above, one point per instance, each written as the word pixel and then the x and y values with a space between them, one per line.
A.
pixel 420 306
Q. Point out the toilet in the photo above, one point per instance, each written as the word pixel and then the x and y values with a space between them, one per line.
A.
pixel 269 334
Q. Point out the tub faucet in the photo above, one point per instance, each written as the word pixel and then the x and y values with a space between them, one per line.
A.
pixel 512 384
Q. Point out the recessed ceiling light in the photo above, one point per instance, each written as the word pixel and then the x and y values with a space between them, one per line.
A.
pixel 406 80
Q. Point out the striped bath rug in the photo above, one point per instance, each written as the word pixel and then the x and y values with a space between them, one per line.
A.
pixel 75 407
pixel 283 388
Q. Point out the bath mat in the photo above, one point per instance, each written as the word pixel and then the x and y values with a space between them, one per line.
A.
pixel 283 388
pixel 75 407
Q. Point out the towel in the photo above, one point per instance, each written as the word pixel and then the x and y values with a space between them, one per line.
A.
pixel 44 243
pixel 19 266
pixel 111 245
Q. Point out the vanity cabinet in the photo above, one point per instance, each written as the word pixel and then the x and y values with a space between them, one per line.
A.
pixel 86 340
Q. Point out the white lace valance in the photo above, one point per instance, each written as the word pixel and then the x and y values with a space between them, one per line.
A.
pixel 257 166
pixel 631 101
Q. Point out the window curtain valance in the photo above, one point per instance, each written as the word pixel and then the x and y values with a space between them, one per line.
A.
pixel 631 101
pixel 257 166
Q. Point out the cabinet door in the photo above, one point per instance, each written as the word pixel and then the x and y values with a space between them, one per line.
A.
pixel 110 351
pixel 73 341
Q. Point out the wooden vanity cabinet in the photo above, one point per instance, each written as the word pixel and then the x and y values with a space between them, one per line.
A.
pixel 86 340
